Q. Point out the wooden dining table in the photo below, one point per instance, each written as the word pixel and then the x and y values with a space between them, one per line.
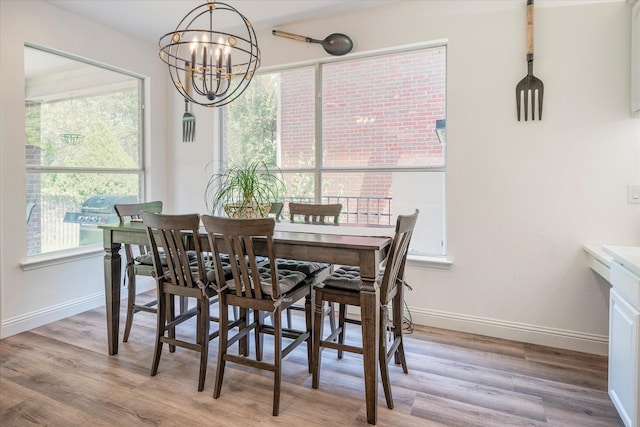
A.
pixel 364 251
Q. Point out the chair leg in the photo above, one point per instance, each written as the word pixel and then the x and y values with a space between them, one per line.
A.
pixel 243 344
pixel 171 314
pixel 342 324
pixel 289 318
pixel 222 344
pixel 382 361
pixel 259 317
pixel 308 317
pixel 277 354
pixel 161 317
pixel 397 330
pixel 318 318
pixel 203 319
pixel 332 316
pixel 198 323
pixel 400 355
pixel 131 301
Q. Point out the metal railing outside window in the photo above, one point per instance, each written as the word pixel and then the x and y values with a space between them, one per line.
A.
pixel 355 209
pixel 46 229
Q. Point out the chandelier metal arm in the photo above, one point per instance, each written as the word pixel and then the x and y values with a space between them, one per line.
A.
pixel 208 66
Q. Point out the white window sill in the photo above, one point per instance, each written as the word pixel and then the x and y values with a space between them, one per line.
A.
pixel 429 261
pixel 61 257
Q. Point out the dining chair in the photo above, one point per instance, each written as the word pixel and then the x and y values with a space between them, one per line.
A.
pixel 343 287
pixel 140 264
pixel 320 214
pixel 315 213
pixel 180 277
pixel 263 290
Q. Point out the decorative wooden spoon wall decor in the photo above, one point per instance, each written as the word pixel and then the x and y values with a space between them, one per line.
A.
pixel 335 44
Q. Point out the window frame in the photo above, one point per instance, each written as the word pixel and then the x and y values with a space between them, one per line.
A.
pixel 319 169
pixel 49 258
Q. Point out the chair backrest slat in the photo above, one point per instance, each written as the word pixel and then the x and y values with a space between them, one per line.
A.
pixel 168 232
pixel 397 256
pixel 315 213
pixel 237 238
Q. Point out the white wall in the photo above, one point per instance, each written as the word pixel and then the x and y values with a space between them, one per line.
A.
pixel 30 298
pixel 522 197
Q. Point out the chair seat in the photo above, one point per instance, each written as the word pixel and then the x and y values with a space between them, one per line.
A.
pixel 208 265
pixel 287 280
pixel 211 274
pixel 143 269
pixel 306 267
pixel 316 272
pixel 348 278
pixel 147 259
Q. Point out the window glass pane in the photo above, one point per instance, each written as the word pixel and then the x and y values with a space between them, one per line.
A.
pixel 251 123
pixel 297 118
pixel 80 120
pixel 383 111
pixel 379 197
pixel 64 209
pixel 365 196
pixel 274 120
pixel 299 186
pixel 423 191
pixel 95 131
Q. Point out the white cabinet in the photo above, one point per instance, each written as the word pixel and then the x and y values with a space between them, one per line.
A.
pixel 624 345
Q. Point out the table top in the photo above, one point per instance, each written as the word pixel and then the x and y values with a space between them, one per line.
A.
pixel 344 229
pixel 366 251
pixel 321 235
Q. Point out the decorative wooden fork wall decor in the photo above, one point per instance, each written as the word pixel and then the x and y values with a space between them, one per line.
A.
pixel 530 87
pixel 188 124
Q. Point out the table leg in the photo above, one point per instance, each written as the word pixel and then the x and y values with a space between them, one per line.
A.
pixel 112 268
pixel 370 316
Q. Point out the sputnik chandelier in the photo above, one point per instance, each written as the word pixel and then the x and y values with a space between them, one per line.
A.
pixel 208 65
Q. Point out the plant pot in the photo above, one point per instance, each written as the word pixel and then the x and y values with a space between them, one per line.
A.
pixel 248 211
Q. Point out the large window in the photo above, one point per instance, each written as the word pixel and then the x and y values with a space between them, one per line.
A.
pixel 367 132
pixel 83 132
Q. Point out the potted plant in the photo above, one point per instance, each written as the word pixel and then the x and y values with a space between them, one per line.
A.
pixel 245 191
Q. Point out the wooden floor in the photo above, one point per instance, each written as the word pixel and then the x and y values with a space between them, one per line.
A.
pixel 61 375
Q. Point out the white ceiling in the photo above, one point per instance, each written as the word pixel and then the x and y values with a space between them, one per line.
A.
pixel 148 20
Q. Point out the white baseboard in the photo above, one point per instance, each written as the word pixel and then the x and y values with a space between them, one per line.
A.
pixel 27 321
pixel 534 334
